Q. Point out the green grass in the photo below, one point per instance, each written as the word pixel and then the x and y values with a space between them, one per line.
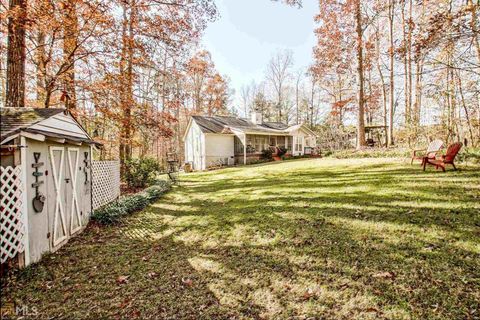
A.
pixel 323 238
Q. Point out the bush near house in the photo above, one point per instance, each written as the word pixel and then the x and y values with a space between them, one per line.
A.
pixel 281 151
pixel 113 212
pixel 267 154
pixel 141 172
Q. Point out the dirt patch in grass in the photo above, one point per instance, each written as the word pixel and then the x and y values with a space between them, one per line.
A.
pixel 322 238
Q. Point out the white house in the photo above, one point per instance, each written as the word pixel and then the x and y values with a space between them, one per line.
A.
pixel 230 140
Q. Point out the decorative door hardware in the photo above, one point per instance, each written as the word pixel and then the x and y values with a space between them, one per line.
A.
pixel 86 167
pixel 39 200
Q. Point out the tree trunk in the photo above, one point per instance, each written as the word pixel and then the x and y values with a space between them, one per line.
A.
pixel 382 80
pixel 417 106
pixel 126 83
pixel 391 12
pixel 473 24
pixel 409 56
pixel 465 109
pixel 70 34
pixel 361 142
pixel 405 68
pixel 15 96
pixel 297 99
pixel 312 102
pixel 41 70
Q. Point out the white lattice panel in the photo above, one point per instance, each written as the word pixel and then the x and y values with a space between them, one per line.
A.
pixel 105 182
pixel 12 232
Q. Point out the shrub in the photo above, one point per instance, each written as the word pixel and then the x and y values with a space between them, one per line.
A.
pixel 267 154
pixel 281 151
pixel 141 172
pixel 469 154
pixel 114 211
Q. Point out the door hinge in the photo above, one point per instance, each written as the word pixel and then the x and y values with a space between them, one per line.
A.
pixel 48 235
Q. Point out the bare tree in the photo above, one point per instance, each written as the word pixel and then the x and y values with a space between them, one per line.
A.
pixel 278 72
pixel 298 81
pixel 361 99
pixel 391 16
pixel 245 94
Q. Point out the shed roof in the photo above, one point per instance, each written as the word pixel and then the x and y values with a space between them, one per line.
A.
pixel 217 124
pixel 14 120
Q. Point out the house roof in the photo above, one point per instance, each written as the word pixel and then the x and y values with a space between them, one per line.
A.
pixel 15 120
pixel 217 124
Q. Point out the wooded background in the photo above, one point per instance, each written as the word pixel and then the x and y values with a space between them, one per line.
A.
pixel 133 71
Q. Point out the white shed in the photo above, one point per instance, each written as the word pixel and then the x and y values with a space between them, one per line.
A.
pixel 205 147
pixel 46 181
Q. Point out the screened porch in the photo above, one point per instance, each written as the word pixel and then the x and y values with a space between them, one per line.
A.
pixel 255 144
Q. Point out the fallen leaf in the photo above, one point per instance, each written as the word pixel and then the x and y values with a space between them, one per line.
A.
pixel 385 275
pixel 308 294
pixel 125 303
pixel 122 279
pixel 187 282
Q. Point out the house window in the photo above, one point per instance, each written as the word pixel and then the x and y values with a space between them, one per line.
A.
pixel 261 143
pixel 289 143
pixel 299 144
pixel 238 145
pixel 281 141
pixel 273 141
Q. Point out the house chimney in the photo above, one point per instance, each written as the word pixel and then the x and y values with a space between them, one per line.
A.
pixel 257 117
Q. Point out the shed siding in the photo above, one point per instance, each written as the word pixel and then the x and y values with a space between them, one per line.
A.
pixel 61 124
pixel 41 224
pixel 195 147
pixel 219 147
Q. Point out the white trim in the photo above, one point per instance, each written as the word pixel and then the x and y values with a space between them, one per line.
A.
pixel 9 138
pixel 301 127
pixel 76 143
pixel 218 134
pixel 244 148
pixel 23 163
pixel 74 176
pixel 58 140
pixel 57 183
pixel 281 133
pixel 33 136
pixel 187 129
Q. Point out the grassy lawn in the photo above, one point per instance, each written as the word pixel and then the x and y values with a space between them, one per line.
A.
pixel 322 238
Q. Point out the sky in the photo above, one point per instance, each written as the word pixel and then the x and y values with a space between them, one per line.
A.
pixel 249 32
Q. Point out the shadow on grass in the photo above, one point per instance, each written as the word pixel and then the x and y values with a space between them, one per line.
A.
pixel 306 239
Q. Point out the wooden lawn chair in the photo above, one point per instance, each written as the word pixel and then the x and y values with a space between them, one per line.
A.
pixel 431 151
pixel 448 158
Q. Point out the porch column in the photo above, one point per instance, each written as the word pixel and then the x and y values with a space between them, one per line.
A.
pixel 245 149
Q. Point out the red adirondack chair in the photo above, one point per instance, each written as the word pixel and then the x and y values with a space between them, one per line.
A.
pixel 448 158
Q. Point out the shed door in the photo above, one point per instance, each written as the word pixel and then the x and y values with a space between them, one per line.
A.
pixel 57 162
pixel 72 190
